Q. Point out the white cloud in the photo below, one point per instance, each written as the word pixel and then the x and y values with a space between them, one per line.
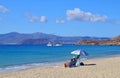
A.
pixel 117 22
pixel 32 18
pixel 79 15
pixel 114 22
pixel 3 9
pixel 43 19
pixel 60 20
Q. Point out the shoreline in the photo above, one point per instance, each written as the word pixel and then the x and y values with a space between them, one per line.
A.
pixel 22 67
pixel 17 68
pixel 94 68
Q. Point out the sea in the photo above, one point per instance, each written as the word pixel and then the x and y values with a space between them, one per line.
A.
pixel 20 57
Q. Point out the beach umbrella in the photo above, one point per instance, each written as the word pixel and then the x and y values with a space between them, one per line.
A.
pixel 79 52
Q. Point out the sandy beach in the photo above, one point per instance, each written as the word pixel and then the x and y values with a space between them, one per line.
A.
pixel 95 68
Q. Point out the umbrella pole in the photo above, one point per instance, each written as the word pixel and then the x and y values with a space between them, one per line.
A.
pixel 79 61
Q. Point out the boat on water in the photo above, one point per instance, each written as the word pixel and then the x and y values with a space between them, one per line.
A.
pixel 49 44
pixel 57 44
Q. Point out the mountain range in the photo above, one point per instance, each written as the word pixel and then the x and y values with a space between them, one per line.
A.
pixel 42 38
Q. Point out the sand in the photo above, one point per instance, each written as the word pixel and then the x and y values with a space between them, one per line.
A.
pixel 95 68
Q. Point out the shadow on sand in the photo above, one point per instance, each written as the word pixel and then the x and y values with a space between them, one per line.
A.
pixel 89 64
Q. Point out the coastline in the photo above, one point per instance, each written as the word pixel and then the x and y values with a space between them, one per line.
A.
pixel 94 68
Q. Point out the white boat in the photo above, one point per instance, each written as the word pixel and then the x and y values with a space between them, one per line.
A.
pixel 49 44
pixel 58 44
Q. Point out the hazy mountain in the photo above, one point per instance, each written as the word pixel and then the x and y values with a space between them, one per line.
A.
pixel 34 41
pixel 15 37
pixel 19 38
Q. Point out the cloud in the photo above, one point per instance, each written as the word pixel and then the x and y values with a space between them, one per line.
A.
pixel 79 15
pixel 60 20
pixel 117 22
pixel 3 9
pixel 43 19
pixel 32 18
pixel 113 22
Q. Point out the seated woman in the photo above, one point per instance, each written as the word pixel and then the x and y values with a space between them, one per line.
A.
pixel 72 62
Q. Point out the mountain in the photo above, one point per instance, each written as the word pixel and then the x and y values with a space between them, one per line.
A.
pixel 34 41
pixel 112 41
pixel 41 38
pixel 14 37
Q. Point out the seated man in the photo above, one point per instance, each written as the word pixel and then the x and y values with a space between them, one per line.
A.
pixel 73 62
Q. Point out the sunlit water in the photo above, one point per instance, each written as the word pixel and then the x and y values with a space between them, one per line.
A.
pixel 17 57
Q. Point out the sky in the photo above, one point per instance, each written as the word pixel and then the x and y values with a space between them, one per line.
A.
pixel 97 18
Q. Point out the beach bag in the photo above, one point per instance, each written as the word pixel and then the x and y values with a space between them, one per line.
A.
pixel 66 64
pixel 81 64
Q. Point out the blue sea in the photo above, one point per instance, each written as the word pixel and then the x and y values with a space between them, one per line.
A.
pixel 18 57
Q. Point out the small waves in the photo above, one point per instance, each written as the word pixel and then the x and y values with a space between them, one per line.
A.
pixel 15 68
